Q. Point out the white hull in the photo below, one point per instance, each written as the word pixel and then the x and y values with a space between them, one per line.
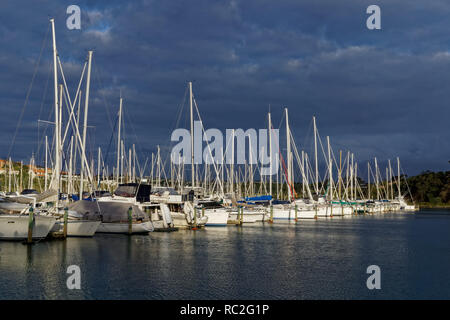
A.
pixel 248 217
pixel 289 214
pixel 113 227
pixel 180 220
pixel 15 227
pixel 78 228
pixel 216 217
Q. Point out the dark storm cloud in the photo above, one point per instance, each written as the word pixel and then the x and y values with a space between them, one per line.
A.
pixel 378 93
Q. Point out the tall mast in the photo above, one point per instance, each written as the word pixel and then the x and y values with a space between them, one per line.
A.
pixel 9 175
pixel 46 163
pixel 303 175
pixel 315 156
pixel 98 168
pixel 356 179
pixel 122 155
pixel 129 166
pixel 368 180
pixel 232 163
pixel 330 168
pixel 376 179
pixel 288 158
pixel 398 177
pixel 192 136
pixel 347 175
pixel 270 154
pixel 390 180
pixel 158 167
pixel 86 108
pixel 340 175
pixel 118 141
pixel 55 176
pixel 387 183
pixel 70 183
pixel 134 163
pixel 251 191
pixel 351 179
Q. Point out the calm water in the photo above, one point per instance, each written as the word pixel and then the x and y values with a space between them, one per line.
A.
pixel 325 259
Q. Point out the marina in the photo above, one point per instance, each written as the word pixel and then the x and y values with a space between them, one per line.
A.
pixel 219 192
pixel 174 152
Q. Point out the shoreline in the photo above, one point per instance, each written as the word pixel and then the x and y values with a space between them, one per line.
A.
pixel 431 206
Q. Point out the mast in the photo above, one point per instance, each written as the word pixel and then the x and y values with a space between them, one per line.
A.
pixel 55 176
pixel 251 191
pixel 330 168
pixel 347 175
pixel 387 183
pixel 340 175
pixel 21 176
pixel 122 155
pixel 158 167
pixel 390 180
pixel 98 168
pixel 289 156
pixel 76 140
pixel 118 141
pixel 232 163
pixel 368 180
pixel 86 108
pixel 129 165
pixel 192 136
pixel 351 179
pixel 376 179
pixel 134 163
pixel 315 155
pixel 46 166
pixel 398 174
pixel 70 184
pixel 9 175
pixel 356 179
pixel 270 154
pixel 303 176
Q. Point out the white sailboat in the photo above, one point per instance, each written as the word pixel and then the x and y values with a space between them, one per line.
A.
pixel 15 227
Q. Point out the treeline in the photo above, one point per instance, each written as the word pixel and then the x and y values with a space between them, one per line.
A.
pixel 430 187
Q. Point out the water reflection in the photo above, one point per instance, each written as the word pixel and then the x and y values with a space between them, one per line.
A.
pixel 326 258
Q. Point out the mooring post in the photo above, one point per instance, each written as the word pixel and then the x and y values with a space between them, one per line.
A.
pixel 195 219
pixel 30 225
pixel 296 213
pixel 130 220
pixel 271 214
pixel 66 217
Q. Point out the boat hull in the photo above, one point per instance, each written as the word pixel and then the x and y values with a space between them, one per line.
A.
pixel 78 228
pixel 289 214
pixel 15 227
pixel 119 227
pixel 216 218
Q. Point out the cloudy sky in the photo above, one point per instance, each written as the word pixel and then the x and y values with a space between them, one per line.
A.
pixel 379 93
